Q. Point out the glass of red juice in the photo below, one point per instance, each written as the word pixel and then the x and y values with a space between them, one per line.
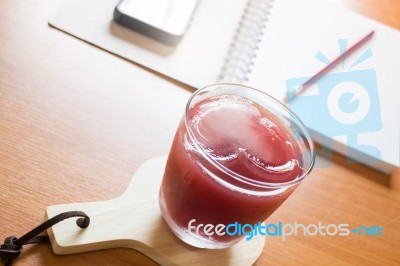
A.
pixel 236 157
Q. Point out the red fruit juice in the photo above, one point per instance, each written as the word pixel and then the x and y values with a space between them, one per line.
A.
pixel 229 134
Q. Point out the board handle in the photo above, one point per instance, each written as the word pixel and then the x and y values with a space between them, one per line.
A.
pixel 134 220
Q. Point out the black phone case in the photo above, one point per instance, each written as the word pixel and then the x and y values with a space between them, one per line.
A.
pixel 145 29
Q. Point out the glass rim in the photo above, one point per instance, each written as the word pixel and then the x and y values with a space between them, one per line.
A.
pixel 233 174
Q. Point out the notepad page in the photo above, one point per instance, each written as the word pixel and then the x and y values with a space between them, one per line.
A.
pixel 197 60
pixel 297 30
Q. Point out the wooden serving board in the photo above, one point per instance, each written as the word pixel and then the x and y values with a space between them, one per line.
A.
pixel 134 220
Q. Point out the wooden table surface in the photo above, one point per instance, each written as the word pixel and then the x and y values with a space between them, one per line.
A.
pixel 76 122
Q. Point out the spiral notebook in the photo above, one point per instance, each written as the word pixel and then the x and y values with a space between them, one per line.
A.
pixel 263 43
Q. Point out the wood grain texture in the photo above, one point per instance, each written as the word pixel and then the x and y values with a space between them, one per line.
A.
pixel 134 220
pixel 76 122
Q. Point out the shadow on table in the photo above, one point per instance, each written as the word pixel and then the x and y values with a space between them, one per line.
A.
pixel 325 159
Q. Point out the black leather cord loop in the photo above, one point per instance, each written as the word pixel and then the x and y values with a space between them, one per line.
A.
pixel 12 246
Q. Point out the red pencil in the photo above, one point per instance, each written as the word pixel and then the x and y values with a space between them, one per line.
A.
pixel 327 68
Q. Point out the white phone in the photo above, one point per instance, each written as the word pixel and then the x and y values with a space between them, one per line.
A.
pixel 164 20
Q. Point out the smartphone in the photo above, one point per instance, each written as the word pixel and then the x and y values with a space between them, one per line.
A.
pixel 163 20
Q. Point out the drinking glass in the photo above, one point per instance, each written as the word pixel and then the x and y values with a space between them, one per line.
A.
pixel 237 155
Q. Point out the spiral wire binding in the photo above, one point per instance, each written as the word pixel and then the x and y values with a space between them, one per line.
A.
pixel 243 49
